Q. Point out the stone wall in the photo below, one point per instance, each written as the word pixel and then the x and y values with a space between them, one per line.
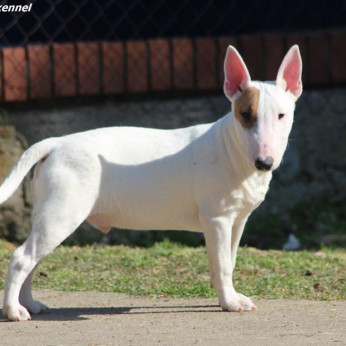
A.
pixel 15 213
pixel 313 168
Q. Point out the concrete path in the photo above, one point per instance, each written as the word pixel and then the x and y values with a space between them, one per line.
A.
pixel 92 318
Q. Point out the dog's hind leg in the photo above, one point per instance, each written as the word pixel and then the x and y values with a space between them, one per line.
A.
pixel 26 299
pixel 17 298
pixel 43 240
pixel 57 213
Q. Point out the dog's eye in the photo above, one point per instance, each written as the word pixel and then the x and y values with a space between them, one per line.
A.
pixel 281 115
pixel 246 116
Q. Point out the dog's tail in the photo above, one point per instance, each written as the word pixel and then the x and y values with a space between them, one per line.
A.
pixel 29 158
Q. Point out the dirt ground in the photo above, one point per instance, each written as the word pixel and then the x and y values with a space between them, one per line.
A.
pixel 93 318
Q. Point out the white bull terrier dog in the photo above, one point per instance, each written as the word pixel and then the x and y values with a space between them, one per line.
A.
pixel 205 178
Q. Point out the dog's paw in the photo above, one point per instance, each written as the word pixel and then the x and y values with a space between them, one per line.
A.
pixel 232 308
pixel 35 307
pixel 16 313
pixel 246 303
pixel 237 303
pixel 231 304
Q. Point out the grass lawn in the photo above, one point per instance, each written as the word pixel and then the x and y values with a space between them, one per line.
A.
pixel 170 269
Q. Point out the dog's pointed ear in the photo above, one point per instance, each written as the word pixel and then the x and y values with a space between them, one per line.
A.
pixel 289 76
pixel 237 77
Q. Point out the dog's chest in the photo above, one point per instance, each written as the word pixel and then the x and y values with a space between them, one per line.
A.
pixel 251 192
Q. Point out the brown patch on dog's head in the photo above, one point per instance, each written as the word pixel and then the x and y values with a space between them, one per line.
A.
pixel 245 107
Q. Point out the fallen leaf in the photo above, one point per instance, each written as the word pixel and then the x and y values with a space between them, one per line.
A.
pixel 320 254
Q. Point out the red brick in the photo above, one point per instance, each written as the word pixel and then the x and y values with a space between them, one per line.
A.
pixel 206 64
pixel 291 40
pixel 318 64
pixel 113 67
pixel 64 70
pixel 223 43
pixel 273 55
pixel 338 43
pixel 183 64
pixel 88 68
pixel 39 71
pixel 160 71
pixel 15 82
pixel 137 74
pixel 252 55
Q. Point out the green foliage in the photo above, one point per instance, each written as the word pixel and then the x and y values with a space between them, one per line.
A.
pixel 315 224
pixel 4 118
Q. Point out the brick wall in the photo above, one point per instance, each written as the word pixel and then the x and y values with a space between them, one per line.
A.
pixel 70 69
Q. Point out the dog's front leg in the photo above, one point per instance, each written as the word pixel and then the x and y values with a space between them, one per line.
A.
pixel 218 232
pixel 237 232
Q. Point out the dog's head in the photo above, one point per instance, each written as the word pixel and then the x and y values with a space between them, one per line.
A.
pixel 263 111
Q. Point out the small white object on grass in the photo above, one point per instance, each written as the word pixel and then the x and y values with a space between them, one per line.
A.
pixel 292 243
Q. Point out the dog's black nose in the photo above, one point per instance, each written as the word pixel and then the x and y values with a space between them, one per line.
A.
pixel 264 165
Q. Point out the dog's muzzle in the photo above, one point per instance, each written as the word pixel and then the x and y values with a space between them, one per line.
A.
pixel 264 164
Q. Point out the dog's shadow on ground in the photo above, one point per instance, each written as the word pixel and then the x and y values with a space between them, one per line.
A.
pixel 78 314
